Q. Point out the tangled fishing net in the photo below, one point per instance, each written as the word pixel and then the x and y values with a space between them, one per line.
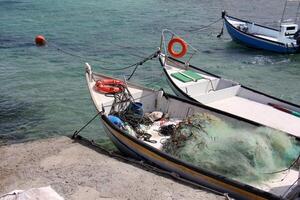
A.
pixel 236 150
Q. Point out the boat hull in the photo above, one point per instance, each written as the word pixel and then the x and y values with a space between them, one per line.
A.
pixel 142 150
pixel 127 144
pixel 257 42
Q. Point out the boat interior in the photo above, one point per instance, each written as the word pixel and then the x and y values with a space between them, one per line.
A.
pixel 176 112
pixel 231 97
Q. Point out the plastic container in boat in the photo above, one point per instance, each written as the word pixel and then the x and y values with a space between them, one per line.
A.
pixel 116 121
pixel 136 108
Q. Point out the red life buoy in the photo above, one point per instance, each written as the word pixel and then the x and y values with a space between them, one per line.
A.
pixel 182 43
pixel 110 86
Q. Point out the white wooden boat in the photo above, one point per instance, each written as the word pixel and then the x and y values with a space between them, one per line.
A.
pixel 227 95
pixel 179 108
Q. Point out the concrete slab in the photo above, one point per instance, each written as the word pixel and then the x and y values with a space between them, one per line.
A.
pixel 78 172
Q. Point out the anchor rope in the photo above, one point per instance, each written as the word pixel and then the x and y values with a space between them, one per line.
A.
pixel 152 56
pixel 147 166
pixel 206 26
pixel 145 59
pixel 75 134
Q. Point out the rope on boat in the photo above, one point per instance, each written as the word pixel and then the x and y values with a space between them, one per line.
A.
pixel 152 56
pixel 294 163
pixel 147 166
pixel 76 132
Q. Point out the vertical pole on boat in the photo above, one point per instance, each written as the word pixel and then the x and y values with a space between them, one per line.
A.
pixel 298 183
pixel 281 20
pixel 297 13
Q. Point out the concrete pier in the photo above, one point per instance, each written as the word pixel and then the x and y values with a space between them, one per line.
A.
pixel 78 172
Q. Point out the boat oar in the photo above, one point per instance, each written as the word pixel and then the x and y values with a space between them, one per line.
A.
pixel 283 109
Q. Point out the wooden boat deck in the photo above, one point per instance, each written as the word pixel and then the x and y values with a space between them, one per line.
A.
pixel 260 113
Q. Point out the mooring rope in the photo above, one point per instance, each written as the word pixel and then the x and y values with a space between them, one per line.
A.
pixel 206 26
pixel 75 134
pixel 147 166
pixel 150 57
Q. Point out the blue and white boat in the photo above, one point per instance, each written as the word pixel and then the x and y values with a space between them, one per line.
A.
pixel 286 39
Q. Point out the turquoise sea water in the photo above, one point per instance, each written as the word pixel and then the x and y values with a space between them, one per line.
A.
pixel 43 91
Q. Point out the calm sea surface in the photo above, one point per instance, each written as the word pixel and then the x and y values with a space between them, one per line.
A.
pixel 43 91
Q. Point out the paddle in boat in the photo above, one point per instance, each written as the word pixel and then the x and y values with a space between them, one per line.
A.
pixel 206 146
pixel 285 39
pixel 196 84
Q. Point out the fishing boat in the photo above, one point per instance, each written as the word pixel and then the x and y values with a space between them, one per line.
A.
pixel 285 39
pixel 121 103
pixel 196 84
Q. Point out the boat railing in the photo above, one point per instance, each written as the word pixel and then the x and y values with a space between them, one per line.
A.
pixel 166 36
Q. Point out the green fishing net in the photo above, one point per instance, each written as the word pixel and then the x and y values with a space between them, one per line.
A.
pixel 234 149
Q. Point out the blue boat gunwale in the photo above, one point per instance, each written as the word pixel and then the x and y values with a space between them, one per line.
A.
pixel 242 32
pixel 199 170
pixel 274 29
pixel 216 76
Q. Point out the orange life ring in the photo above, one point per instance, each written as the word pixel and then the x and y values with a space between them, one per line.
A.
pixel 110 86
pixel 182 43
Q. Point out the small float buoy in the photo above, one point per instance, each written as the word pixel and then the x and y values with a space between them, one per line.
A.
pixel 40 40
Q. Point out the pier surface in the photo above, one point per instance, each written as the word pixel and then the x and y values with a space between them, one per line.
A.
pixel 78 172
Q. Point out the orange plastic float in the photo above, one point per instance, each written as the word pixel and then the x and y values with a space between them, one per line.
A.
pixel 182 43
pixel 40 40
pixel 109 86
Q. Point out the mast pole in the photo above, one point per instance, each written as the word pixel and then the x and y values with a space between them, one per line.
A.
pixel 281 20
pixel 297 13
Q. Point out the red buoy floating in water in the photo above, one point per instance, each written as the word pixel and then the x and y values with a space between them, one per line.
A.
pixel 40 40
